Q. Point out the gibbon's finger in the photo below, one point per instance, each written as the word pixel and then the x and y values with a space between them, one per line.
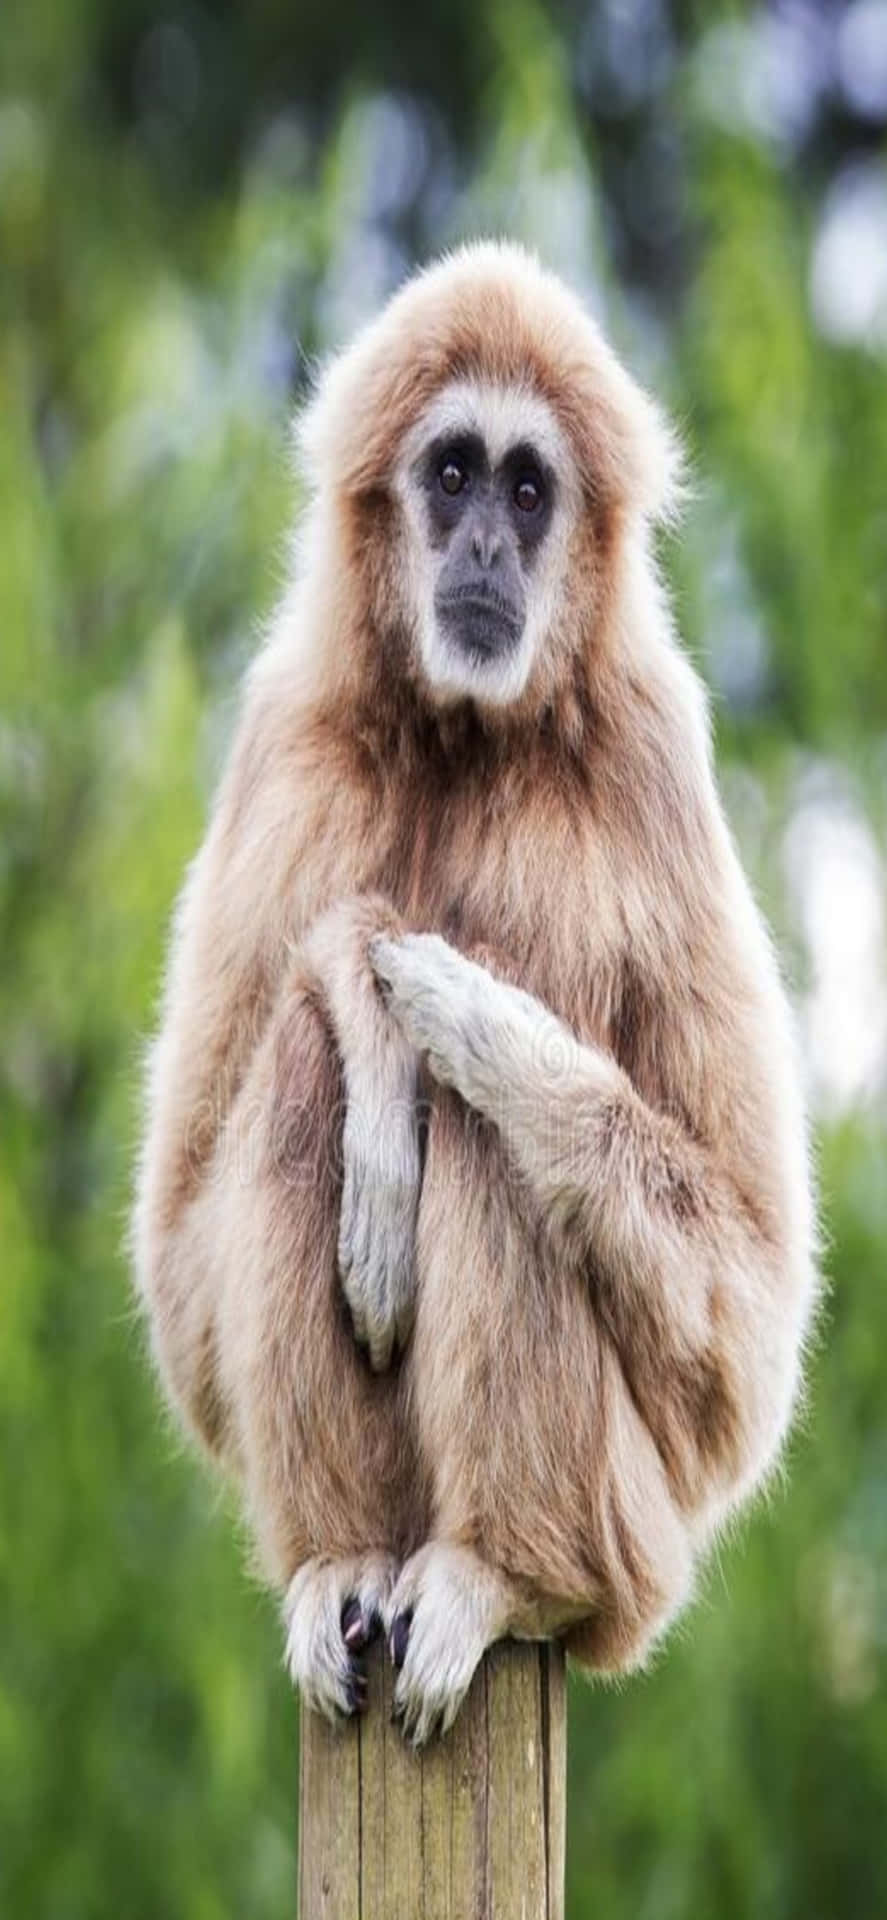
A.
pixel 381 949
pixel 355 1277
pixel 359 1323
pixel 344 1265
pixel 381 1344
pixel 362 1239
pixel 381 1350
pixel 355 1301
pixel 384 956
pixel 440 1067
pixel 345 1260
pixel 380 1319
pixel 349 1279
pixel 346 1212
pixel 420 989
pixel 423 963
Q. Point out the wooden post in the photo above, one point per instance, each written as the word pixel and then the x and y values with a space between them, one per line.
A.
pixel 471 1828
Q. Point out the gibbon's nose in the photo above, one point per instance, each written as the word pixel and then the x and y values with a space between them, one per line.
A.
pixel 486 545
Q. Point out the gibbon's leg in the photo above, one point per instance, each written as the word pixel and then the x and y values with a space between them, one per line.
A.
pixel 549 1500
pixel 239 1257
pixel 699 1258
pixel 329 1462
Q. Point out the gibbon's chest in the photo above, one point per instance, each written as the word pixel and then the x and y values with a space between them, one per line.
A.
pixel 527 876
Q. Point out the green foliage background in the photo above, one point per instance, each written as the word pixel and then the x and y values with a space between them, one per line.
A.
pixel 194 200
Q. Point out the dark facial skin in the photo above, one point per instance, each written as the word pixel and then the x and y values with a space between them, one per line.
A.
pixel 489 523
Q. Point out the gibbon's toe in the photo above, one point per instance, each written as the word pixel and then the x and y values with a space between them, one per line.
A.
pixel 360 1625
pixel 400 1634
pixel 357 1689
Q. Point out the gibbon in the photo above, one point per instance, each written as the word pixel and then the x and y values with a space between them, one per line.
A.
pixel 474 1220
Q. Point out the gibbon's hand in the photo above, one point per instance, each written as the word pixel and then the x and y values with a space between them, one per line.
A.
pixel 382 1177
pixel 497 1046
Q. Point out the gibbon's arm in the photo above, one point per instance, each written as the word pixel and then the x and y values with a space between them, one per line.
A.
pixel 239 949
pixel 202 1203
pixel 696 1230
pixel 381 1158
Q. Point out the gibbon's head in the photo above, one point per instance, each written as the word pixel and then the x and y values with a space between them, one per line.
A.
pixel 480 452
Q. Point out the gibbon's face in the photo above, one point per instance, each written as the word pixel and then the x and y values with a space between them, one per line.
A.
pixel 490 494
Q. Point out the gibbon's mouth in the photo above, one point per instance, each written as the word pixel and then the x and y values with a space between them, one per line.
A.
pixel 482 624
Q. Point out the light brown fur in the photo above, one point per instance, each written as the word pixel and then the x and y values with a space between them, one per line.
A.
pixel 607 1332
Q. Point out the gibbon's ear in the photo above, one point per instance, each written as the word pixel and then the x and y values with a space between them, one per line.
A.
pixel 629 455
pixel 334 422
pixel 364 402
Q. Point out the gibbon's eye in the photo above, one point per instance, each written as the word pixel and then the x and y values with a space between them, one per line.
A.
pixel 453 476
pixel 528 493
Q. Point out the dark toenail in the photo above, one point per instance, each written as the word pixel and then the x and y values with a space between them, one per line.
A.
pixel 373 1626
pixel 400 1634
pixel 356 1692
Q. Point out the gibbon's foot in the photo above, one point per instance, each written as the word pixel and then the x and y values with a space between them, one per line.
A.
pixel 332 1610
pixel 446 1608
